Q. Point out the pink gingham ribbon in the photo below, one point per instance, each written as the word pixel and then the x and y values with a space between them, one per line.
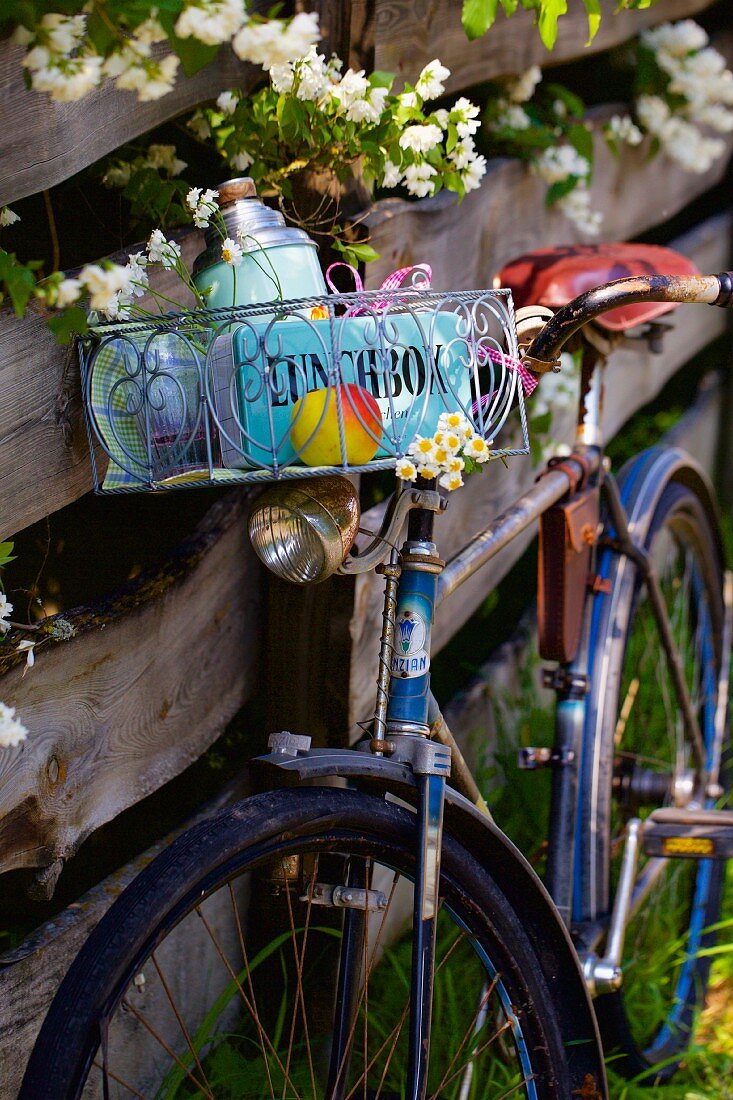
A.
pixel 528 380
pixel 391 283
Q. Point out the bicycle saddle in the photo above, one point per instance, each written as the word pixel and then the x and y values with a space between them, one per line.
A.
pixel 553 276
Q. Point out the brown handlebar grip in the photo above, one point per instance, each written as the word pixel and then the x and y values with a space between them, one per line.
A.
pixel 725 298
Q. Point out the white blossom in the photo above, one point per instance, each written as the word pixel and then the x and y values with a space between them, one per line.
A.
pixel 241 161
pixel 227 102
pixel 27 647
pixel 104 284
pixel 430 81
pixel 576 207
pixel 473 173
pixel 421 138
pixel 12 730
pixel 202 206
pixel 150 79
pixel 282 77
pixel 653 112
pixel 275 42
pixel 623 128
pixel 352 87
pixel 211 21
pixel 392 175
pixel 408 100
pixel 418 179
pixel 67 292
pixel 451 481
pixel 368 109
pixel 6 610
pixel 314 75
pixel 464 115
pixel 8 216
pixel 199 126
pixel 163 157
pixel 522 89
pixel 118 175
pixel 716 116
pixel 406 469
pixel 136 265
pixel 561 161
pixel 231 252
pixel 163 251
pixel 676 39
pixel 512 117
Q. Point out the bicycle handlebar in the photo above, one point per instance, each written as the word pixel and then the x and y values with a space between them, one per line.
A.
pixel 714 290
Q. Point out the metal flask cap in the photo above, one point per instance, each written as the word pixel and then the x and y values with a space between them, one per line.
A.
pixel 246 215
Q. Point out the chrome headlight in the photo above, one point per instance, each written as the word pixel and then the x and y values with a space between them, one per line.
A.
pixel 303 530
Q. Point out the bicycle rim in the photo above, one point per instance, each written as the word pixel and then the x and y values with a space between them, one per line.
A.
pixel 636 758
pixel 295 998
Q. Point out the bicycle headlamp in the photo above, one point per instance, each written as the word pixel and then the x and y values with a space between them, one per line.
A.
pixel 303 530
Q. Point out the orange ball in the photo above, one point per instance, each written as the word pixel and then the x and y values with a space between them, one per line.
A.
pixel 317 440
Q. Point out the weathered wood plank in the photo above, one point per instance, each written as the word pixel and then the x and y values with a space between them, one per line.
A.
pixel 410 34
pixel 43 459
pixel 45 142
pixel 634 377
pixel 150 680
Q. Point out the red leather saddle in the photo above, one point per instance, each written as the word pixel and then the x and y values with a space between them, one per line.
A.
pixel 553 276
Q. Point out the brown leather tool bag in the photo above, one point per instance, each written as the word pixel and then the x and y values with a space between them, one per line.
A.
pixel 568 531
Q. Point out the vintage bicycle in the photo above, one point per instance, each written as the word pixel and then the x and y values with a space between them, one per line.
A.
pixel 363 928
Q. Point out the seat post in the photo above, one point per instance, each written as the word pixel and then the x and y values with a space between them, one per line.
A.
pixel 589 430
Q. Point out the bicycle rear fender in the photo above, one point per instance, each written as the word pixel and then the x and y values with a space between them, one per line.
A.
pixel 510 870
pixel 643 479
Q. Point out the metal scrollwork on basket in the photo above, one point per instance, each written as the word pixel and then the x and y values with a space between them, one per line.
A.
pixel 290 389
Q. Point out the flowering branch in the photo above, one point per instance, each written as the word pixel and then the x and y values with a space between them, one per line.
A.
pixel 69 54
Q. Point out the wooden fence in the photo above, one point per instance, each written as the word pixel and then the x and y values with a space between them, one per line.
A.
pixel 135 696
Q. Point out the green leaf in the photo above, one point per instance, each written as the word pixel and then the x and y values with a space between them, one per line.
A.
pixel 356 253
pixel 581 140
pixel 549 13
pixel 290 117
pixel 6 553
pixel 574 103
pixel 477 16
pixel 18 280
pixel 69 322
pixel 380 79
pixel 194 54
pixel 100 32
pixel 560 189
pixel 593 7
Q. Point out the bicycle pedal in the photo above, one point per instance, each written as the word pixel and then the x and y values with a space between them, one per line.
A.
pixel 689 834
pixel 530 758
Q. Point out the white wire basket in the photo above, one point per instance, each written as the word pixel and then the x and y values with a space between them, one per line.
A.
pixel 291 389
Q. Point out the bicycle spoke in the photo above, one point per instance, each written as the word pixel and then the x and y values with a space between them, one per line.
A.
pixel 235 978
pixel 479 1051
pixel 119 1081
pixel 471 1031
pixel 166 1047
pixel 254 1013
pixel 179 1018
pixel 299 996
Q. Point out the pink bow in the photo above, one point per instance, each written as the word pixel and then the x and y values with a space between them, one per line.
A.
pixel 391 283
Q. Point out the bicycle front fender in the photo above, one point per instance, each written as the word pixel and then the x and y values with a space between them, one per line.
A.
pixel 522 887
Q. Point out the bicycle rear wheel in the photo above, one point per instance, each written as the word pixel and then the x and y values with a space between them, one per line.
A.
pixel 636 757
pixel 296 998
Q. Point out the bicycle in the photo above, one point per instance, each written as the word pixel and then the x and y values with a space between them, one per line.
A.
pixel 488 995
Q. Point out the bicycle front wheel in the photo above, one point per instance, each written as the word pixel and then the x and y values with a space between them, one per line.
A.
pixel 637 756
pixel 267 954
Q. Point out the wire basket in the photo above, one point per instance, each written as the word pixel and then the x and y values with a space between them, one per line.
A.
pixel 343 383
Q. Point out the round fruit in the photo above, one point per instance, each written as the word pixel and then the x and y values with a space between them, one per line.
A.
pixel 315 434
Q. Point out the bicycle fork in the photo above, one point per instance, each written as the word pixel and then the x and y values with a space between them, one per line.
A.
pixel 401 728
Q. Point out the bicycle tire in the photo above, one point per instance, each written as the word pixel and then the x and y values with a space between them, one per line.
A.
pixel 232 848
pixel 645 1039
